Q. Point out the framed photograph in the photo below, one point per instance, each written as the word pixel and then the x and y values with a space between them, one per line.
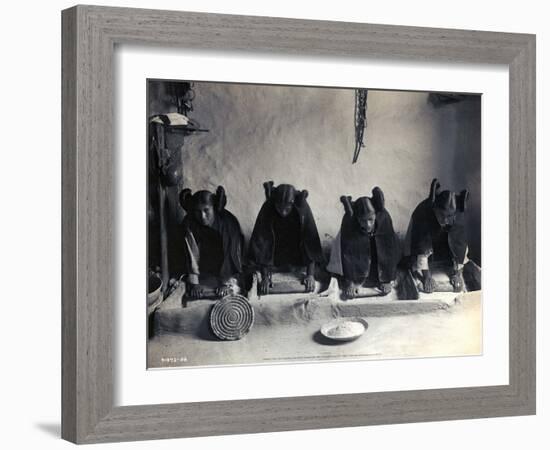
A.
pixel 241 249
pixel 290 215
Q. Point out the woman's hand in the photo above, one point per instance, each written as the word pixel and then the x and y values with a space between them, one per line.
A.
pixel 265 284
pixel 196 291
pixel 428 282
pixel 457 281
pixel 309 282
pixel 223 290
pixel 385 288
pixel 350 290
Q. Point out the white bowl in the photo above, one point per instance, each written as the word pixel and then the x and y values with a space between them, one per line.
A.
pixel 344 329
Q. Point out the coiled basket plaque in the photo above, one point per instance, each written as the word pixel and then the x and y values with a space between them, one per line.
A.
pixel 231 317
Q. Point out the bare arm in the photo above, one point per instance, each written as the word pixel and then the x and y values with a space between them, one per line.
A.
pixel 265 282
pixel 310 278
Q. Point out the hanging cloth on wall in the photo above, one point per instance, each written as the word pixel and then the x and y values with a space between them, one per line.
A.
pixel 360 121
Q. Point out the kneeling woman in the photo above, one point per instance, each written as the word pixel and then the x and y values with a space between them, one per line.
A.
pixel 366 249
pixel 213 242
pixel 285 236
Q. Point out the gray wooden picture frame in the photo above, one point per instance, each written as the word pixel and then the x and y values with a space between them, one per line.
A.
pixel 90 34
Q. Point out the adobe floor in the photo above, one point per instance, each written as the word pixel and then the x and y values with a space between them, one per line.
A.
pixel 452 330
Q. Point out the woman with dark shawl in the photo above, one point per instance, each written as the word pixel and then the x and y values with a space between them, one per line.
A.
pixel 366 248
pixel 212 241
pixel 285 235
pixel 438 234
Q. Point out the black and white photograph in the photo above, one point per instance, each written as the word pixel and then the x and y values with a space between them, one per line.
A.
pixel 269 225
pixel 294 224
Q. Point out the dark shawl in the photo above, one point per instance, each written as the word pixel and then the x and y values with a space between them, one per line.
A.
pixel 425 230
pixel 229 230
pixel 357 254
pixel 261 247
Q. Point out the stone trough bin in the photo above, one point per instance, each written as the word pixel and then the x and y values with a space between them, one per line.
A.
pixel 170 317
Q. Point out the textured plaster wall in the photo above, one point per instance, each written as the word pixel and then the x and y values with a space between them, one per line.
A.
pixel 305 136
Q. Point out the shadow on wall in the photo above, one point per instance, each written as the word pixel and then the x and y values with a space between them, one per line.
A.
pixel 306 137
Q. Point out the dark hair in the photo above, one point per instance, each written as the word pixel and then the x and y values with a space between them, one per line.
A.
pixel 188 200
pixel 202 197
pixel 445 200
pixel 284 193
